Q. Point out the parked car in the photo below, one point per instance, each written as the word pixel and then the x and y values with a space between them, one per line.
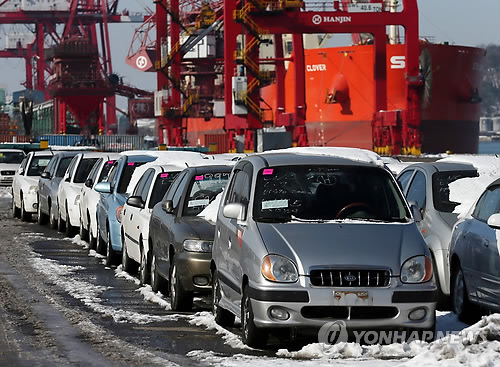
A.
pixel 25 184
pixel 427 185
pixel 48 185
pixel 305 239
pixel 150 189
pixel 110 206
pixel 180 240
pixel 89 198
pixel 475 259
pixel 10 159
pixel 68 194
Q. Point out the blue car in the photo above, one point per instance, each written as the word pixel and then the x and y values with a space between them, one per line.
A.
pixel 109 209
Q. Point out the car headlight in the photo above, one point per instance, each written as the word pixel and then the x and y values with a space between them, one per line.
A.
pixel 416 269
pixel 77 200
pixel 33 190
pixel 198 246
pixel 119 213
pixel 278 268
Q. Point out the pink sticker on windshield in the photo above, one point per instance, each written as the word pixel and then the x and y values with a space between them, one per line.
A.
pixel 164 175
pixel 268 171
pixel 111 162
pixel 199 178
pixel 131 163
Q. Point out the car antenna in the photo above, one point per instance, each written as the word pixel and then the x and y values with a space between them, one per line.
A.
pixel 187 165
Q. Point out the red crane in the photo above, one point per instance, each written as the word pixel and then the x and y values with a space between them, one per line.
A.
pixel 73 64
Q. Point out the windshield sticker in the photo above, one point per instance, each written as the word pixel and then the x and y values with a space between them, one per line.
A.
pixel 131 163
pixel 111 162
pixel 164 175
pixel 199 202
pixel 275 204
pixel 268 171
pixel 199 178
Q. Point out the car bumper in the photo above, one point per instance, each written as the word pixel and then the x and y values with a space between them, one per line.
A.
pixel 195 270
pixel 30 203
pixel 379 308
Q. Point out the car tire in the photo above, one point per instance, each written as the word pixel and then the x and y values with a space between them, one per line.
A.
pixel 443 301
pixel 180 299
pixel 158 284
pixel 222 316
pixel 92 241
pixel 16 213
pixel 69 229
pixel 128 265
pixel 251 334
pixel 61 224
pixel 101 245
pixel 25 216
pixel 144 274
pixel 462 307
pixel 84 232
pixel 53 222
pixel 111 255
pixel 42 217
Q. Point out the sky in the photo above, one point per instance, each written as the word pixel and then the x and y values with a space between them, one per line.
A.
pixel 460 22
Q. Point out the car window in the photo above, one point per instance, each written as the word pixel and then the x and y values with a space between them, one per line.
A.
pixel 107 171
pixel 161 185
pixel 417 190
pixel 22 166
pixel 38 165
pixel 140 184
pixel 50 166
pixel 11 157
pixel 83 169
pixel 178 188
pixel 126 176
pixel 72 165
pixel 63 166
pixel 404 178
pixel 145 190
pixel 488 204
pixel 327 192
pixel 202 190
pixel 239 191
pixel 95 169
pixel 441 188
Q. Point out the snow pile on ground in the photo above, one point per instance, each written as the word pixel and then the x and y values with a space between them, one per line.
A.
pixel 467 190
pixel 475 346
pixel 5 192
pixel 211 210
pixel 360 155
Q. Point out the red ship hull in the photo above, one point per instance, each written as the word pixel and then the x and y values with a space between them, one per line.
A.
pixel 449 111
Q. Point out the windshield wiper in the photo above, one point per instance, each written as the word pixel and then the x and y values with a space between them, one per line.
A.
pixel 273 220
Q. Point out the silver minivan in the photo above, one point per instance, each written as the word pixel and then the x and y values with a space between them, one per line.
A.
pixel 302 240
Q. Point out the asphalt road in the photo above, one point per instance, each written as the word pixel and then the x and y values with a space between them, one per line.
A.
pixel 61 307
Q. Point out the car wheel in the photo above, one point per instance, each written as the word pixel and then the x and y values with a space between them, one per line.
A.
pixel 180 299
pixel 461 304
pixel 69 230
pixel 110 253
pixel 25 216
pixel 84 232
pixel 101 245
pixel 252 336
pixel 222 316
pixel 15 210
pixel 157 281
pixel 443 301
pixel 92 241
pixel 144 275
pixel 129 265
pixel 53 222
pixel 42 217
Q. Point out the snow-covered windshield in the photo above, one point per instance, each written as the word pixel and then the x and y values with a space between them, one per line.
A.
pixel 327 192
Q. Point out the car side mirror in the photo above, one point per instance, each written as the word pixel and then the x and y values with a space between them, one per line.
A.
pixel 234 211
pixel 168 206
pixel 417 214
pixel 494 221
pixel 67 179
pixel 135 201
pixel 103 187
pixel 21 171
pixel 45 175
pixel 89 183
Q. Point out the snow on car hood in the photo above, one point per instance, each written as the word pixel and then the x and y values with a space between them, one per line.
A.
pixel 344 244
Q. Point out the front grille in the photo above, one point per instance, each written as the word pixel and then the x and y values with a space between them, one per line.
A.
pixel 350 278
pixel 349 312
pixel 8 173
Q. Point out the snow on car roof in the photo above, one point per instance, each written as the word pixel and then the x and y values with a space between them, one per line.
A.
pixel 356 154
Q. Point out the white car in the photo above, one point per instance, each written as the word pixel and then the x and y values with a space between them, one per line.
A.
pixel 25 184
pixel 68 194
pixel 149 190
pixel 89 197
pixel 10 160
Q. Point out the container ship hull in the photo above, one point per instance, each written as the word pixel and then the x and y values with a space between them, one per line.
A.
pixel 340 97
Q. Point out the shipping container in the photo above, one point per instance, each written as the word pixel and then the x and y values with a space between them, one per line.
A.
pixel 216 143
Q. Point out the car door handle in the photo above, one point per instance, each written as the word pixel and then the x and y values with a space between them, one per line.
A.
pixel 485 243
